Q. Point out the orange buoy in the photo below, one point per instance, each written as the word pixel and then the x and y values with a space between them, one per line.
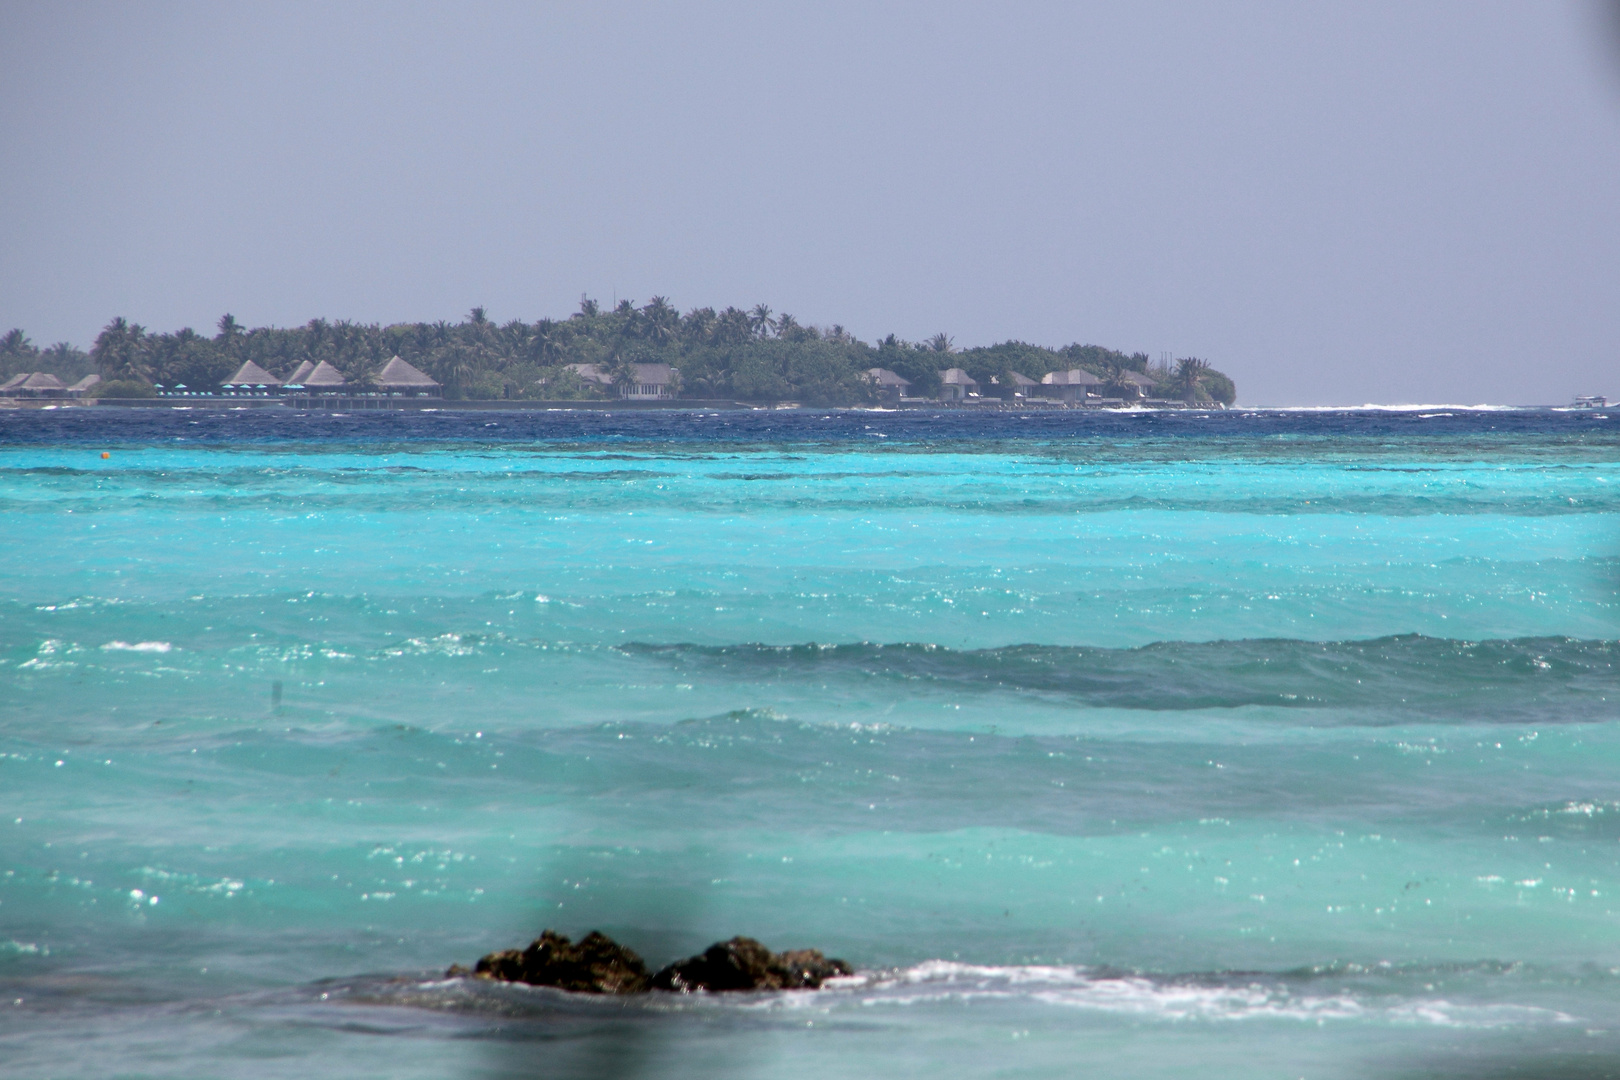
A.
pixel 105 455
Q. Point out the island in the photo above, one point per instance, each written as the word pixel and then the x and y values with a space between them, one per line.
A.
pixel 646 355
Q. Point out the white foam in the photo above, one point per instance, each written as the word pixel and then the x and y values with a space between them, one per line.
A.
pixel 1171 999
pixel 139 646
pixel 1437 409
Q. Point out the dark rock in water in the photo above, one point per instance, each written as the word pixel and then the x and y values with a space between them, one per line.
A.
pixel 600 965
pixel 744 964
pixel 597 965
pixel 503 966
pixel 809 968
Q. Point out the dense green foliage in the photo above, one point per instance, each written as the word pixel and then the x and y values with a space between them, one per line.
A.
pixel 753 355
pixel 124 388
pixel 19 356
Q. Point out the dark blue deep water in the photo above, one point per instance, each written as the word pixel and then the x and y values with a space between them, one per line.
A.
pixel 1242 744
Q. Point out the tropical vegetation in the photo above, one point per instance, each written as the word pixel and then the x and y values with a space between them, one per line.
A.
pixel 752 355
pixel 19 356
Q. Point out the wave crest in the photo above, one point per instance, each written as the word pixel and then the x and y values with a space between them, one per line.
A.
pixel 1400 676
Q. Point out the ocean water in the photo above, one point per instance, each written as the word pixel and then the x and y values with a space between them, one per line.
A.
pixel 1248 744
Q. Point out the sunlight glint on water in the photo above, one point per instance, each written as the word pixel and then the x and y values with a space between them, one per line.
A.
pixel 1269 744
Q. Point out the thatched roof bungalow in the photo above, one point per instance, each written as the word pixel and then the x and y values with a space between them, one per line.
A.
pixel 39 384
pixel 250 378
pixel 399 377
pixel 323 378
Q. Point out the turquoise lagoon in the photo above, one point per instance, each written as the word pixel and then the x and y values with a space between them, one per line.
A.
pixel 1256 744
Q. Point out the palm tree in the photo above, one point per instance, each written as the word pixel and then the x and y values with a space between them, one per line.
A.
pixel 120 351
pixel 663 321
pixel 788 328
pixel 760 320
pixel 1113 373
pixel 699 325
pixel 588 308
pixel 622 370
pixel 452 366
pixel 318 340
pixel 1188 378
pixel 513 342
pixel 733 327
pixel 941 343
pixel 544 341
pixel 229 338
pixel 16 343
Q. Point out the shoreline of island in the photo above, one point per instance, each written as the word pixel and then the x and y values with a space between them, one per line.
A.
pixel 627 356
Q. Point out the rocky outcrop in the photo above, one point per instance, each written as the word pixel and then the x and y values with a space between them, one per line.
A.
pixel 597 965
pixel 744 964
pixel 600 965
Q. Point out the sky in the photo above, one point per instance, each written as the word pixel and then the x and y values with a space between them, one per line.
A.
pixel 1334 203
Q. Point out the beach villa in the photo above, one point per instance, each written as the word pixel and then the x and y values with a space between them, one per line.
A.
pixel 649 382
pixel 890 387
pixel 1022 385
pixel 957 385
pixel 1074 385
pixel 1136 385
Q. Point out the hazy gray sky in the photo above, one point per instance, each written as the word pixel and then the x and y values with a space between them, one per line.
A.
pixel 1333 202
